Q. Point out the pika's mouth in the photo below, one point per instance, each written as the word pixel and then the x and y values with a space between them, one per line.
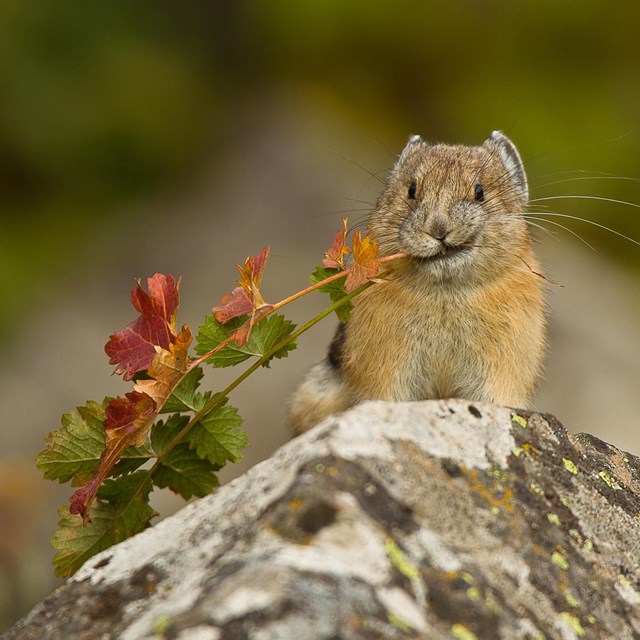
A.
pixel 447 252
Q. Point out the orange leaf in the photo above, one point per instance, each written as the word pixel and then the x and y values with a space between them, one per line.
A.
pixel 333 259
pixel 247 297
pixel 366 264
pixel 166 370
pixel 251 277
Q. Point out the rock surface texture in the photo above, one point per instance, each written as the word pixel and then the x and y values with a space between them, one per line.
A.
pixel 439 519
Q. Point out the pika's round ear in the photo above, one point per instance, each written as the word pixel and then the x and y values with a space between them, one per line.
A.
pixel 511 160
pixel 412 143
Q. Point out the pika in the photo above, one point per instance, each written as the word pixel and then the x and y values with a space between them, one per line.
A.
pixel 466 317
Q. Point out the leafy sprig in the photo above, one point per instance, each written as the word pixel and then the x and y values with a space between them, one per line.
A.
pixel 165 432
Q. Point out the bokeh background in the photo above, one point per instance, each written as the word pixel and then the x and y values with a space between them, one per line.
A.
pixel 181 137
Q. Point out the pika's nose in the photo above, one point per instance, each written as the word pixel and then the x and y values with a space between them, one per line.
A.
pixel 438 228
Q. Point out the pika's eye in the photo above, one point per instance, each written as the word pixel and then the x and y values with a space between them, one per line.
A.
pixel 412 190
pixel 479 193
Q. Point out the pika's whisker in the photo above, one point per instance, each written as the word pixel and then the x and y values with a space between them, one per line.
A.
pixel 585 197
pixel 515 255
pixel 582 178
pixel 528 216
pixel 591 222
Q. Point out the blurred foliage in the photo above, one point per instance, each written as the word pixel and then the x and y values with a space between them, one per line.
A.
pixel 104 103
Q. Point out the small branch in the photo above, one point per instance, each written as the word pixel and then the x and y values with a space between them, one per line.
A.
pixel 218 397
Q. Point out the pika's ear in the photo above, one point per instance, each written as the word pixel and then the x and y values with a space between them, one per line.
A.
pixel 411 145
pixel 511 160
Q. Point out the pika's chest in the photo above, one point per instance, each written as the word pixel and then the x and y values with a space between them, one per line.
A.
pixel 401 347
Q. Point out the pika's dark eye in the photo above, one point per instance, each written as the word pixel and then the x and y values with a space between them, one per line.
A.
pixel 412 190
pixel 479 193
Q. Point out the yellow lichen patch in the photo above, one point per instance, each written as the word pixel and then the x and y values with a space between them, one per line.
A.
pixel 572 601
pixel 398 622
pixel 591 619
pixel 473 593
pixel 399 560
pixel 565 502
pixel 467 577
pixel 160 625
pixel 493 605
pixel 519 420
pixel 623 580
pixel 570 465
pixel 295 503
pixel 530 451
pixel 573 622
pixel 537 489
pixel 496 495
pixel 498 473
pixel 553 519
pixel 559 560
pixel 609 480
pixel 320 468
pixel 461 632
pixel 517 452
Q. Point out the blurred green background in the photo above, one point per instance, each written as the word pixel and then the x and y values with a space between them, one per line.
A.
pixel 183 136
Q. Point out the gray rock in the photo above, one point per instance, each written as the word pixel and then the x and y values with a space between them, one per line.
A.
pixel 439 519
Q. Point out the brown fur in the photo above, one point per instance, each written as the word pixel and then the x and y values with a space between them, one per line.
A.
pixel 470 325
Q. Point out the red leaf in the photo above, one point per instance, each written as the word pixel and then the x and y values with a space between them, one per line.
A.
pixel 127 422
pixel 123 416
pixel 234 304
pixel 80 499
pixel 242 333
pixel 333 259
pixel 133 348
pixel 150 343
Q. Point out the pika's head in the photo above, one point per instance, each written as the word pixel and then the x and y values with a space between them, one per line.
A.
pixel 454 208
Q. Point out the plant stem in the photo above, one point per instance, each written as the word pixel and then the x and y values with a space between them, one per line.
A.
pixel 278 305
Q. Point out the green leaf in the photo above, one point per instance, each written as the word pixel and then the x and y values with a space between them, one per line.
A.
pixel 185 398
pixel 73 451
pixel 162 433
pixel 185 473
pixel 217 437
pixel 265 335
pixel 122 510
pixel 211 334
pixel 132 458
pixel 335 290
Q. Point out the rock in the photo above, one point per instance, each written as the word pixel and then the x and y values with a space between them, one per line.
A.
pixel 439 519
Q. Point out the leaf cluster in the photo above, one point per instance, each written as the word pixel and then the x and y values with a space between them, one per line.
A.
pixel 165 432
